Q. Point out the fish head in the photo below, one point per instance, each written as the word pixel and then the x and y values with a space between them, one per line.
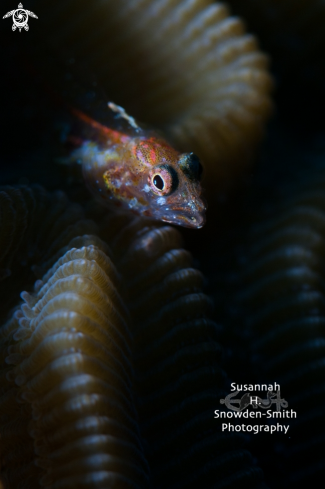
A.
pixel 172 185
pixel 146 175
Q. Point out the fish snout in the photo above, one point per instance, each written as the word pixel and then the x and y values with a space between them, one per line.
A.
pixel 193 213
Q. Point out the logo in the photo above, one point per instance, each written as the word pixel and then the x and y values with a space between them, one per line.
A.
pixel 239 408
pixel 254 401
pixel 20 18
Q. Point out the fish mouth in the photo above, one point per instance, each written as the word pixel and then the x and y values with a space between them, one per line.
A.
pixel 196 222
pixel 189 216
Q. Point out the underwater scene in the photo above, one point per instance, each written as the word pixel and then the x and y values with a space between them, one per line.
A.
pixel 162 244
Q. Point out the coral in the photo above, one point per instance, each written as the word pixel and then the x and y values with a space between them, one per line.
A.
pixel 186 67
pixel 69 351
pixel 73 381
pixel 35 224
pixel 99 378
pixel 292 32
pixel 177 362
pixel 282 293
pixel 281 299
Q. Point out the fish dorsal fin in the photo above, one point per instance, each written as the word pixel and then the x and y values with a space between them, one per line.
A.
pixel 120 112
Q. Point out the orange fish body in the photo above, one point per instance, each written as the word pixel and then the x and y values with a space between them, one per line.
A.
pixel 141 172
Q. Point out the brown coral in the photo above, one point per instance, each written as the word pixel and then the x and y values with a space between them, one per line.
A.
pixel 34 224
pixel 73 375
pixel 69 352
pixel 292 32
pixel 177 362
pixel 186 67
pixel 282 292
pixel 69 398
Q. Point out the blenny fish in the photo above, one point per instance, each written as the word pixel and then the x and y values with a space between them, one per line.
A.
pixel 140 170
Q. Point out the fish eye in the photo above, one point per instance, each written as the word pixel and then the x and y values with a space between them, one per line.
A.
pixel 191 166
pixel 158 182
pixel 163 179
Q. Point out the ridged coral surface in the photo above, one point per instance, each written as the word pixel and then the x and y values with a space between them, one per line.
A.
pixel 186 67
pixel 72 374
pixel 177 360
pixel 35 225
pixel 283 296
pixel 66 408
pixel 291 31
pixel 268 277
pixel 111 370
